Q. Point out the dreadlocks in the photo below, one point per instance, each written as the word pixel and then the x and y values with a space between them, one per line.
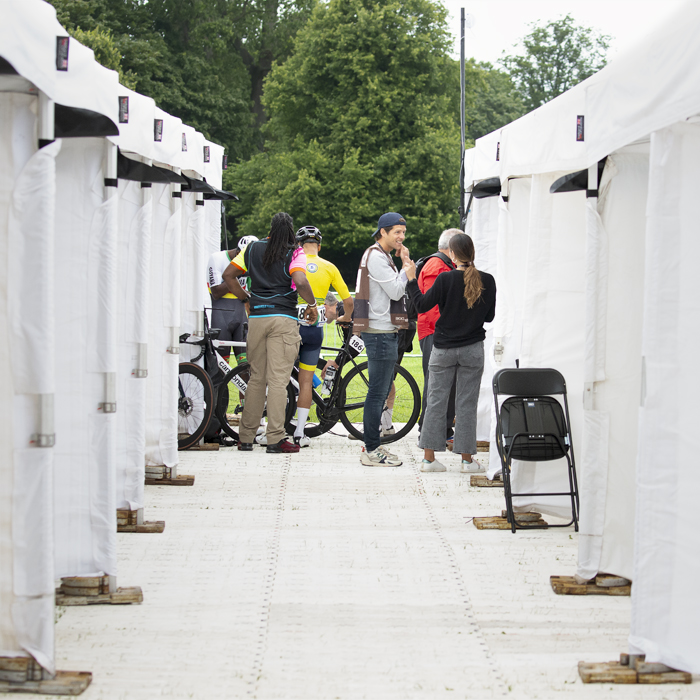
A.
pixel 281 239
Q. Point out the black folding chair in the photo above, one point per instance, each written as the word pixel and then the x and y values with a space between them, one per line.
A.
pixel 532 426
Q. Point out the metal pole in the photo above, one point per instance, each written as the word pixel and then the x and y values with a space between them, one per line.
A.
pixel 462 119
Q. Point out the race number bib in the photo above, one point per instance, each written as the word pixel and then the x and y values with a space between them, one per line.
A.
pixel 320 321
pixel 356 344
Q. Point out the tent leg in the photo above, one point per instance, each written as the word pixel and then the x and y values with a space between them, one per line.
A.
pixel 600 585
pixel 167 476
pixel 631 669
pixel 95 590
pixel 132 521
pixel 23 674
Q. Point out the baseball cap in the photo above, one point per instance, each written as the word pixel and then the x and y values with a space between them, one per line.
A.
pixel 388 220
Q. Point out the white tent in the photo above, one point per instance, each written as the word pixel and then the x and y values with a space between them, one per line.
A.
pixel 588 252
pixel 164 304
pixel 85 299
pixel 38 95
pixel 136 139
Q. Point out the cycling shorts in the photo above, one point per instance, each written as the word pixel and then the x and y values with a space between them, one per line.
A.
pixel 310 348
pixel 229 316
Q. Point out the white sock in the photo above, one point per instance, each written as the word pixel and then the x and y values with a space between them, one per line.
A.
pixel 302 415
pixel 386 418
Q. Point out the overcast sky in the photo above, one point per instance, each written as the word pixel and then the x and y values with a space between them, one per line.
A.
pixel 501 23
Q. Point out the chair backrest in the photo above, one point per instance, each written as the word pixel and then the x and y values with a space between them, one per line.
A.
pixel 528 381
pixel 541 425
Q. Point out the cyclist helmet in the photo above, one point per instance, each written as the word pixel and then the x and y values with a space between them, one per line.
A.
pixel 309 233
pixel 246 241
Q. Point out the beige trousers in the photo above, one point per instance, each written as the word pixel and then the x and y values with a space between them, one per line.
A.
pixel 273 345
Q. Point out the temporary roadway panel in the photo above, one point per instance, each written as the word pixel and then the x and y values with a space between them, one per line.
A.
pixel 312 576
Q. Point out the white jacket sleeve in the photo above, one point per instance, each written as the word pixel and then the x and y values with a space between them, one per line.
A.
pixel 380 271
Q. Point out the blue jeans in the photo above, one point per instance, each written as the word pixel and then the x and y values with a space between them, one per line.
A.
pixel 382 353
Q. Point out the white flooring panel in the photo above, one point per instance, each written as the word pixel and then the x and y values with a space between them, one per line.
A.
pixel 313 577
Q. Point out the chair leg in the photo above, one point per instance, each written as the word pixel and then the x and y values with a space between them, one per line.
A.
pixel 508 495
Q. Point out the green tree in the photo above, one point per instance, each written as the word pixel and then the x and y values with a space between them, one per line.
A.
pixel 557 56
pixel 493 101
pixel 201 60
pixel 363 118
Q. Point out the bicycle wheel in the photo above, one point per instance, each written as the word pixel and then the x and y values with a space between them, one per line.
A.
pixel 237 382
pixel 353 394
pixel 195 404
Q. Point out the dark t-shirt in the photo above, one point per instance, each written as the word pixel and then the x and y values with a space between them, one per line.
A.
pixel 458 325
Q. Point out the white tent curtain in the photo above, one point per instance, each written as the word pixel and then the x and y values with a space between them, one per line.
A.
pixel 164 325
pixel 137 137
pixel 85 509
pixel 194 258
pixel 133 281
pixel 614 293
pixel 554 324
pixel 27 194
pixel 483 228
pixel 511 253
pixel 665 613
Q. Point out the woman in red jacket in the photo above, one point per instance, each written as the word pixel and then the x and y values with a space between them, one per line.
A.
pixel 466 298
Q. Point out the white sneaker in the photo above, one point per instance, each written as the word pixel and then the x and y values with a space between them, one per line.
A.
pixel 388 431
pixel 261 439
pixel 383 450
pixel 302 441
pixel 472 467
pixel 433 466
pixel 377 458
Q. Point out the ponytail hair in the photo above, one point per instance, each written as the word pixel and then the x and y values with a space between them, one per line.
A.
pixel 462 248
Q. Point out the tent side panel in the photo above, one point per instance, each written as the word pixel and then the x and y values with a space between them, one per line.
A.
pixel 554 324
pixel 85 510
pixel 665 613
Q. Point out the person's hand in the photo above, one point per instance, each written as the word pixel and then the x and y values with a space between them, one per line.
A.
pixel 404 254
pixel 311 315
pixel 409 267
pixel 330 363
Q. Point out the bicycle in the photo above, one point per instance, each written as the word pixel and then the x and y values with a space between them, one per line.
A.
pixel 214 362
pixel 346 399
pixel 197 395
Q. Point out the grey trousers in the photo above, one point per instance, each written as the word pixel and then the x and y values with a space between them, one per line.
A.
pixel 467 363
pixel 426 348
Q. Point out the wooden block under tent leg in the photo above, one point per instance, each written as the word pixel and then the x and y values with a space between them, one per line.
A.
pixel 631 669
pixel 501 523
pixel 95 590
pixel 167 476
pixel 602 584
pixel 481 481
pixel 132 521
pixel 204 447
pixel 482 446
pixel 22 674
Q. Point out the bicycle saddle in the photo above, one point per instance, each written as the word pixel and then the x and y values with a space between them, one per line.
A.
pixel 214 333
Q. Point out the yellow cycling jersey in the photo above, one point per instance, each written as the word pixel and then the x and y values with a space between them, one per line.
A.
pixel 323 275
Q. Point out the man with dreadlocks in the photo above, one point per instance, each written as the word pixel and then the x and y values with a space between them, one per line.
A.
pixel 277 271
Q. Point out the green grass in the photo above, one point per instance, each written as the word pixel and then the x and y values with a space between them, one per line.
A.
pixel 333 339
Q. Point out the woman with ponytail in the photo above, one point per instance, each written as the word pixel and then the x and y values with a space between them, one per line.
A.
pixel 466 299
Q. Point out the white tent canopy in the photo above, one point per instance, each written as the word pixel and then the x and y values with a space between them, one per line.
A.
pixel 57 505
pixel 583 305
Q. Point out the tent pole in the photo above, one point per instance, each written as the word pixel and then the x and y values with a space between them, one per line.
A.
pixel 462 119
pixel 223 223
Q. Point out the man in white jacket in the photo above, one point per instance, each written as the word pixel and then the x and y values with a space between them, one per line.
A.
pixel 379 313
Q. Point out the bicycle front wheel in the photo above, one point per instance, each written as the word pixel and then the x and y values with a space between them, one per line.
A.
pixel 195 404
pixel 353 394
pixel 229 412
